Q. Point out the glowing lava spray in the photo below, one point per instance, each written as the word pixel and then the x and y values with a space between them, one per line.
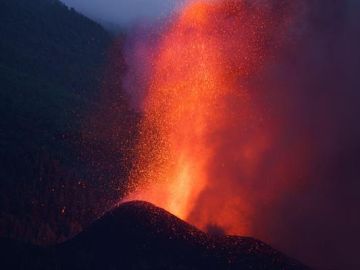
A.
pixel 197 88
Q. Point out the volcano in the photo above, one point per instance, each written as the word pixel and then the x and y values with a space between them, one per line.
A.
pixel 139 235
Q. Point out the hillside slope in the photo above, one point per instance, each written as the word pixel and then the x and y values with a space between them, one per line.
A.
pixel 52 66
pixel 138 235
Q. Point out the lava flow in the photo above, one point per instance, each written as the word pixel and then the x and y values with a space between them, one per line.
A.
pixel 198 89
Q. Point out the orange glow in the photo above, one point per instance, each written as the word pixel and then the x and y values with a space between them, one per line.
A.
pixel 198 89
pixel 196 14
pixel 178 113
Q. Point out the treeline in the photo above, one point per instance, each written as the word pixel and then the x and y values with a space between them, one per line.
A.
pixel 62 162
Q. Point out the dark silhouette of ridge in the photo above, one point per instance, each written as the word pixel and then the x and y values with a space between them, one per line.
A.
pixel 139 235
pixel 61 164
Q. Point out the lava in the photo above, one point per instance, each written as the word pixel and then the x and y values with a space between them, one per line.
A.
pixel 179 113
pixel 198 89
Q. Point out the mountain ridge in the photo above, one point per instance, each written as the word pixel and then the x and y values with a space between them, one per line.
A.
pixel 139 235
pixel 53 75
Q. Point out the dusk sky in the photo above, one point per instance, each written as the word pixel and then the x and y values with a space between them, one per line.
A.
pixel 124 12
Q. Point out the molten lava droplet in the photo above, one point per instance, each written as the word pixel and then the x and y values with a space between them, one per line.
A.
pixel 196 86
pixel 180 112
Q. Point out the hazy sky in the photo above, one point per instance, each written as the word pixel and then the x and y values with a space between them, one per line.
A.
pixel 123 12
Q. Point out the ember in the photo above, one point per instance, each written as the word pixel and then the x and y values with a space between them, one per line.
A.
pixel 198 89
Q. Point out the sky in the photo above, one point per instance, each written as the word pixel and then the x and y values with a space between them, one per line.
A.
pixel 123 12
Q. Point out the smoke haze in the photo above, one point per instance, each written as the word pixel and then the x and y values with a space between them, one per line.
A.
pixel 124 12
pixel 301 191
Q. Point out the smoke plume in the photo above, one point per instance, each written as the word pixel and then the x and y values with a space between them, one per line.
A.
pixel 282 145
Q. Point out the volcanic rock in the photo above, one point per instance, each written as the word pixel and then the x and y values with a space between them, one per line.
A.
pixel 139 235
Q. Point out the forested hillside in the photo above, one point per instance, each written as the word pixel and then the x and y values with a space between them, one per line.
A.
pixel 53 168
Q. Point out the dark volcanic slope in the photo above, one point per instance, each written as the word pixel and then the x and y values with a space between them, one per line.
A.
pixel 51 65
pixel 138 235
